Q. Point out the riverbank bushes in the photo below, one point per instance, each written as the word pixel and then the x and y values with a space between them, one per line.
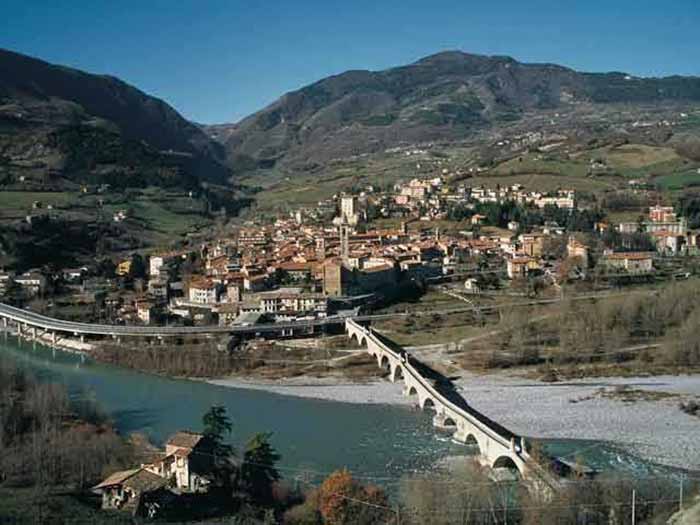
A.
pixel 260 359
pixel 470 494
pixel 51 451
pixel 642 332
pixel 45 440
pixel 342 500
pixel 188 360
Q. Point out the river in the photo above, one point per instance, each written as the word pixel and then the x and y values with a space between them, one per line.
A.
pixel 376 442
pixel 313 436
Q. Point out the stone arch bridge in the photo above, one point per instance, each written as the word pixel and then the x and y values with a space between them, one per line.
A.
pixel 498 446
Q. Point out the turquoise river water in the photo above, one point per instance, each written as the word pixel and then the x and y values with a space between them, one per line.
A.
pixel 314 437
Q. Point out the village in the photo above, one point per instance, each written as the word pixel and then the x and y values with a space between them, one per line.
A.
pixel 355 251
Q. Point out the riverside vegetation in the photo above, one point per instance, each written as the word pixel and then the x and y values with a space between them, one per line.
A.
pixel 51 451
pixel 639 333
pixel 255 359
pixel 46 475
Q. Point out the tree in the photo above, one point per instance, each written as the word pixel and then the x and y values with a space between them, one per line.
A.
pixel 258 472
pixel 307 513
pixel 105 268
pixel 467 496
pixel 216 423
pixel 344 501
pixel 138 266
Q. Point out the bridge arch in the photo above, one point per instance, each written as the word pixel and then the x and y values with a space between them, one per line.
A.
pixel 384 362
pixel 397 374
pixel 428 404
pixel 507 462
pixel 449 422
pixel 472 442
pixel 357 337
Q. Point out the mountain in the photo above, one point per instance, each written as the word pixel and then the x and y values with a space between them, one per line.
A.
pixel 59 125
pixel 447 96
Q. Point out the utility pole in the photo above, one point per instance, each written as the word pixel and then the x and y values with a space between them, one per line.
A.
pixel 634 501
pixel 680 500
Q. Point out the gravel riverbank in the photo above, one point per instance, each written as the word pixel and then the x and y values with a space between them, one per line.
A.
pixel 649 423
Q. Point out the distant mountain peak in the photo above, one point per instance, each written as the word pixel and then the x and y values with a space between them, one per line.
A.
pixel 456 55
pixel 447 96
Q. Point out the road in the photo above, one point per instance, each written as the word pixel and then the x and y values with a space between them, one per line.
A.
pixel 58 325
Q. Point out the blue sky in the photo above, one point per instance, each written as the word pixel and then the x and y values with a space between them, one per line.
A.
pixel 218 60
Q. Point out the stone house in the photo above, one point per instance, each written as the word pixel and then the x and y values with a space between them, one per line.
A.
pixel 145 311
pixel 632 262
pixel 123 268
pixel 187 462
pixel 295 271
pixel 293 302
pixel 517 267
pixel 124 490
pixel 203 291
pixel 158 289
pixel 255 283
pixel 32 282
pixel 477 219
pixel 227 312
pixel 575 249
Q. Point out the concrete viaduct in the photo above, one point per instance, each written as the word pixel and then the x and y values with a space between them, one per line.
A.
pixel 28 323
pixel 498 446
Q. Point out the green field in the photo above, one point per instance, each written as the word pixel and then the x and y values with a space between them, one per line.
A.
pixel 660 165
pixel 632 156
pixel 155 217
pixel 284 192
pixel 539 163
pixel 167 214
pixel 20 202
pixel 678 181
pixel 534 170
pixel 690 123
pixel 540 182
